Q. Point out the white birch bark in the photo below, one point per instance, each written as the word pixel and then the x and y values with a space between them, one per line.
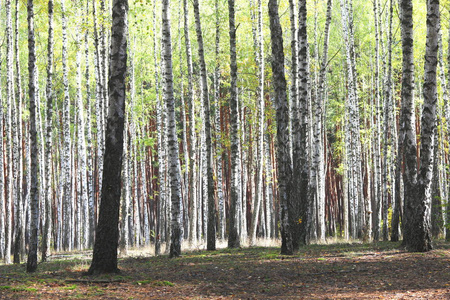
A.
pixel 219 164
pixel 90 214
pixel 3 209
pixel 192 135
pixel 377 130
pixel 47 233
pixel 233 236
pixel 353 135
pixel 173 160
pixel 82 155
pixel 100 101
pixel 66 157
pixel 9 96
pixel 33 247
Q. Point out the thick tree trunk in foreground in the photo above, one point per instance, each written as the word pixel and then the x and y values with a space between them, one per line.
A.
pixel 283 156
pixel 418 199
pixel 300 217
pixel 104 258
pixel 33 247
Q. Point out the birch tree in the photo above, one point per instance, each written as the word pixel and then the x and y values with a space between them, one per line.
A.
pixel 104 258
pixel 417 235
pixel 9 95
pixel 211 227
pixel 233 235
pixel 46 237
pixel 283 158
pixel 220 193
pixel 174 163
pixel 300 218
pixel 33 248
pixel 66 158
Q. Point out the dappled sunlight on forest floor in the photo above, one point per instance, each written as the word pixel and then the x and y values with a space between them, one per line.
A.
pixel 333 271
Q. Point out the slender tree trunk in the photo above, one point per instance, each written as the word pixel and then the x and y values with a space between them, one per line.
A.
pixel 100 103
pixel 174 162
pixel 82 155
pixel 388 124
pixel 160 113
pixel 220 194
pixel 192 138
pixel 126 192
pixel 233 236
pixel 90 222
pixel 46 237
pixel 377 132
pixel 33 247
pixel 283 158
pixel 104 258
pixel 447 117
pixel 66 158
pixel 9 96
pixel 3 225
pixel 211 224
pixel 259 55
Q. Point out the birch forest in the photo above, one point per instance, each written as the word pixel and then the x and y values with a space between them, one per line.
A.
pixel 223 123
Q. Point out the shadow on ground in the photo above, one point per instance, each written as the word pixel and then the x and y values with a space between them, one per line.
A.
pixel 352 271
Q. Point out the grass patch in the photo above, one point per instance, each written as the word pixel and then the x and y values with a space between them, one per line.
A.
pixel 155 282
pixel 163 283
pixel 70 287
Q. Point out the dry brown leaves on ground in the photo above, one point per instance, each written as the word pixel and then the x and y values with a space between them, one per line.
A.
pixel 338 271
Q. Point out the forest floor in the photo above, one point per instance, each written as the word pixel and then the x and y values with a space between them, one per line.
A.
pixel 333 271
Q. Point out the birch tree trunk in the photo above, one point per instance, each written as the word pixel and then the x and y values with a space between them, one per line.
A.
pixel 220 194
pixel 90 169
pixel 417 236
pixel 160 119
pixel 353 144
pixel 3 225
pixel 46 237
pixel 104 258
pixel 100 100
pixel 82 155
pixel 233 236
pixel 174 162
pixel 282 116
pixel 447 117
pixel 378 196
pixel 300 218
pixel 10 116
pixel 192 138
pixel 33 247
pixel 259 55
pixel 66 163
pixel 211 224
pixel 388 123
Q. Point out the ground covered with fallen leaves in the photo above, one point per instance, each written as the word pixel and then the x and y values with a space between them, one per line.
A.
pixel 334 271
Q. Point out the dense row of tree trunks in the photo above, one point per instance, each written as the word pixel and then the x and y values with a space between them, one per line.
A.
pixel 233 166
